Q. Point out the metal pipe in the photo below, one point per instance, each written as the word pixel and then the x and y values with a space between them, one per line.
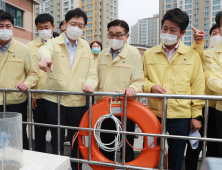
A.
pixel 144 95
pixel 4 101
pixel 110 164
pixel 128 133
pixel 205 129
pixel 58 119
pixel 30 119
pixel 90 125
pixel 163 131
pixel 124 129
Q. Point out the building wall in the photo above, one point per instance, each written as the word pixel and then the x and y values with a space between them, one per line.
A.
pixel 25 33
pixel 146 31
pixel 201 13
pixel 103 11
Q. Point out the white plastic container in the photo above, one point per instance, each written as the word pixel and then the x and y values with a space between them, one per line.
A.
pixel 11 156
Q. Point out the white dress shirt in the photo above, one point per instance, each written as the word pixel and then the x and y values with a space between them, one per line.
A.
pixel 72 50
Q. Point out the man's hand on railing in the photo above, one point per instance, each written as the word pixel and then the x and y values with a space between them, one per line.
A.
pixel 129 92
pixel 34 103
pixel 22 87
pixel 44 63
pixel 88 89
pixel 195 125
pixel 158 89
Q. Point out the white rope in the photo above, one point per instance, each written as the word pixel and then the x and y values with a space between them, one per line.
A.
pixel 118 139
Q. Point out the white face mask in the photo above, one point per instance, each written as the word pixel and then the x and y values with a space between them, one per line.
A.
pixel 115 44
pixel 168 39
pixel 74 32
pixel 45 34
pixel 214 41
pixel 6 34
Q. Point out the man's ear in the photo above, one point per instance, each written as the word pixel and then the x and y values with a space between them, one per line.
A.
pixel 53 27
pixel 182 34
pixel 64 23
pixel 127 36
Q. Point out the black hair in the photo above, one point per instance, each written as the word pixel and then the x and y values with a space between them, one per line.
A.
pixel 61 23
pixel 6 16
pixel 120 23
pixel 212 28
pixel 55 34
pixel 77 12
pixel 218 17
pixel 178 16
pixel 43 18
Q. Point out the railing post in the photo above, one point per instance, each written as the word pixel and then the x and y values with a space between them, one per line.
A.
pixel 205 129
pixel 90 125
pixel 163 131
pixel 58 119
pixel 30 119
pixel 4 101
pixel 124 129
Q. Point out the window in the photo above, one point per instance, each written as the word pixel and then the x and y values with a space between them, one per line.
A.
pixel 46 4
pixel 17 14
pixel 196 21
pixel 181 2
pixel 51 8
pixel 47 10
pixel 89 13
pixel 206 14
pixel 51 2
pixel 88 6
pixel 188 6
pixel 189 11
pixel 114 9
pixel 216 7
pixel 89 32
pixel 36 14
pixel 188 28
pixel 181 7
pixel 111 14
pixel 188 33
pixel 90 19
pixel 206 25
pixel 168 1
pixel 58 17
pixel 58 11
pixel 66 4
pixel 206 9
pixel 66 10
pixel 196 5
pixel 168 6
pixel 188 43
pixel 83 2
pixel 37 10
pixel 206 20
pixel 83 8
pixel 111 7
pixel 206 3
pixel 188 1
pixel 111 1
pixel 187 39
pixel 88 1
pixel 36 35
pixel 206 37
pixel 196 16
pixel 196 10
pixel 114 15
pixel 58 6
pixel 174 5
pixel 88 26
pixel 214 14
pixel 51 12
pixel 72 2
pixel 216 2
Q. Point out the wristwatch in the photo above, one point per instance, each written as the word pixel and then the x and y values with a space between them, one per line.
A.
pixel 198 118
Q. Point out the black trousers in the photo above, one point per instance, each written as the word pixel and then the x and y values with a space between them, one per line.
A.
pixel 219 130
pixel 108 137
pixel 176 147
pixel 192 155
pixel 40 116
pixel 20 108
pixel 70 116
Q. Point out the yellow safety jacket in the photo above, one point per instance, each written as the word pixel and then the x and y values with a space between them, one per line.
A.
pixel 182 75
pixel 213 71
pixel 64 77
pixel 17 66
pixel 34 46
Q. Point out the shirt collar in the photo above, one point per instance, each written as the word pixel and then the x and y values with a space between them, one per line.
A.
pixel 110 50
pixel 44 41
pixel 67 40
pixel 6 46
pixel 164 47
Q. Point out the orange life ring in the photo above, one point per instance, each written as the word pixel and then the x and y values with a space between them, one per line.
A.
pixel 138 113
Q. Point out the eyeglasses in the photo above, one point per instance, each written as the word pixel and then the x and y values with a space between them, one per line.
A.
pixel 117 36
pixel 73 24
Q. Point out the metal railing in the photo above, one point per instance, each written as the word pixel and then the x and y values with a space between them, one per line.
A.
pixel 163 134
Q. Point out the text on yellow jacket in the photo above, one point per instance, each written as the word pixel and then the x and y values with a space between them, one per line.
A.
pixel 182 75
pixel 34 46
pixel 126 70
pixel 64 77
pixel 17 66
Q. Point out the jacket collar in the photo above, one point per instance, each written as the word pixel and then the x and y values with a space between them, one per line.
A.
pixel 61 40
pixel 181 49
pixel 123 52
pixel 12 46
pixel 38 42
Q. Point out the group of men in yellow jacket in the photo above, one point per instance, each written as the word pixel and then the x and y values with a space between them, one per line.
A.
pixel 66 63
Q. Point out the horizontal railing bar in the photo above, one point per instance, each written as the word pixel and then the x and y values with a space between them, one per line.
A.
pixel 142 95
pixel 115 165
pixel 127 133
